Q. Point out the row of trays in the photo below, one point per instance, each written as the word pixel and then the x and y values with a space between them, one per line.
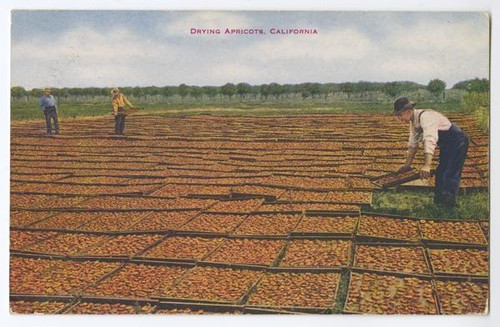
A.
pixel 220 199
pixel 310 254
pixel 270 224
pixel 212 289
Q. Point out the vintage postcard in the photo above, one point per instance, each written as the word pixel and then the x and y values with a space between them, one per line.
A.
pixel 247 162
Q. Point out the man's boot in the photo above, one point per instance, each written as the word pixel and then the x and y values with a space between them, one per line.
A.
pixel 449 200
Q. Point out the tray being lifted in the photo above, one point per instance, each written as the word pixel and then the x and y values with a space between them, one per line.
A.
pixel 395 178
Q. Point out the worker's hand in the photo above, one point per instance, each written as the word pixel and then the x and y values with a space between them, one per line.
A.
pixel 425 172
pixel 404 169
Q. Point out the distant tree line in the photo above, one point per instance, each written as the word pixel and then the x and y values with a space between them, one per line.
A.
pixel 474 85
pixel 263 92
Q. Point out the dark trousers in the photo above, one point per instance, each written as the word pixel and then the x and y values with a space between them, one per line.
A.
pixel 119 123
pixel 51 115
pixel 453 146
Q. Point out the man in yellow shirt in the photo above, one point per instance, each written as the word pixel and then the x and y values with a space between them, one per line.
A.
pixel 119 101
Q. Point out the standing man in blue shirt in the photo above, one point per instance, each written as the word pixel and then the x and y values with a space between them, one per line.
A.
pixel 49 107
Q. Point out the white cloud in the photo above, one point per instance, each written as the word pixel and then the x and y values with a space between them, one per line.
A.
pixel 444 37
pixel 232 72
pixel 82 55
pixel 448 51
pixel 327 46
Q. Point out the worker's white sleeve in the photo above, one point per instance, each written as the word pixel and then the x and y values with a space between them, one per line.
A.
pixel 430 133
pixel 414 137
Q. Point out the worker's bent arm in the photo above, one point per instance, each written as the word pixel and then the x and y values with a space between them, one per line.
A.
pixel 127 102
pixel 410 155
pixel 425 171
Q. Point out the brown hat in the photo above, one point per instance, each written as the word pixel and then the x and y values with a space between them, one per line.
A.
pixel 402 104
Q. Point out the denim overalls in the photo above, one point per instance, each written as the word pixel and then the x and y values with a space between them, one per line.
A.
pixel 453 145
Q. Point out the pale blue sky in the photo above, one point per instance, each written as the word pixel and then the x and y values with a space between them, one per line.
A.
pixel 141 48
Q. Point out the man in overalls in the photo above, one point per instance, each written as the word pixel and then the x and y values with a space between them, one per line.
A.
pixel 49 107
pixel 434 129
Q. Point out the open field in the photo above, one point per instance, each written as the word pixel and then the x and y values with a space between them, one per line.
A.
pixel 234 214
pixel 22 110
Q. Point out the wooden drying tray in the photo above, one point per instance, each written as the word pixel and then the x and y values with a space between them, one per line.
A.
pixel 395 178
pixel 129 111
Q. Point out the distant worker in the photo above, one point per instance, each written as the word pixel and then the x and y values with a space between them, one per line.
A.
pixel 119 101
pixel 434 129
pixel 49 107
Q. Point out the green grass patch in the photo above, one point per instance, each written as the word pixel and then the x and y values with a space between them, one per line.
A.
pixel 420 204
pixel 69 109
pixel 482 115
pixel 342 292
pixel 28 111
pixel 478 104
